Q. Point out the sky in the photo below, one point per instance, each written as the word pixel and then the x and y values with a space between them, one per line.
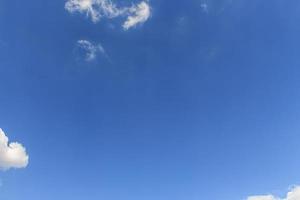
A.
pixel 149 100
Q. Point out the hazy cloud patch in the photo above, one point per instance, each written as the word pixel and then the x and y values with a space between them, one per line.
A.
pixel 293 194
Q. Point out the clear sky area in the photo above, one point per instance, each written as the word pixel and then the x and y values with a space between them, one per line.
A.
pixel 149 100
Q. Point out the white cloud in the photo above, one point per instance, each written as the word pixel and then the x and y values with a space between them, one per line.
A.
pixel 97 9
pixel 90 49
pixel 294 194
pixel 140 14
pixel 12 155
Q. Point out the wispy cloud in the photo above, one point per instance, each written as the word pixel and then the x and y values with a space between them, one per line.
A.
pixel 91 50
pixel 98 9
pixel 12 155
pixel 293 194
pixel 140 14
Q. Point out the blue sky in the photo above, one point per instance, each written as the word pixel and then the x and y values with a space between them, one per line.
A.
pixel 196 99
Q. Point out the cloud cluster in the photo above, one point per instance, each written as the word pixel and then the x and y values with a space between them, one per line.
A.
pixel 12 155
pixel 90 49
pixel 97 9
pixel 294 194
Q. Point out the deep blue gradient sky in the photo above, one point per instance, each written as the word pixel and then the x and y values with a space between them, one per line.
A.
pixel 191 105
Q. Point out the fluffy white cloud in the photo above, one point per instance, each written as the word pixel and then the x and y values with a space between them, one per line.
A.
pixel 294 194
pixel 97 9
pixel 12 155
pixel 90 49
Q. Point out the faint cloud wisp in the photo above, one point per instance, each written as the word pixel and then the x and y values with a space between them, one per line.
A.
pixel 204 7
pixel 91 50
